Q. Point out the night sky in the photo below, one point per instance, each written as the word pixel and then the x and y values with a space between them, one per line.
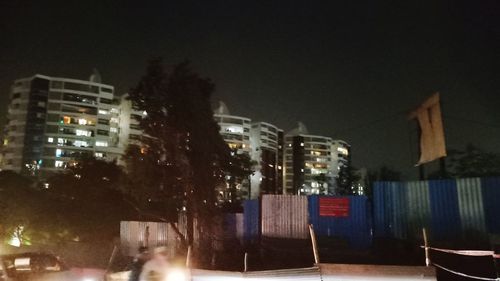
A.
pixel 347 69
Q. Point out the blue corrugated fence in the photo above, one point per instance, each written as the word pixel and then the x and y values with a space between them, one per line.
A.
pixel 449 209
pixel 356 227
pixel 251 220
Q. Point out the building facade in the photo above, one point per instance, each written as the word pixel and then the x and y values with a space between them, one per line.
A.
pixel 264 142
pixel 313 164
pixel 261 141
pixel 130 131
pixel 235 130
pixel 52 121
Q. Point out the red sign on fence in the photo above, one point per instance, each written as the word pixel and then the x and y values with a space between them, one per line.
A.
pixel 333 207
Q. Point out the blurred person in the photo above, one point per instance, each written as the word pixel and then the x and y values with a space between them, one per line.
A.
pixel 156 269
pixel 138 263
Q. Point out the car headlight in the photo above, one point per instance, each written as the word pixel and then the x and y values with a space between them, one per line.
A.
pixel 176 275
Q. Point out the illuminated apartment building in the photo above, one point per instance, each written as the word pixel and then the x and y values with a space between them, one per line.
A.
pixel 313 163
pixel 130 129
pixel 265 142
pixel 53 121
pixel 262 142
pixel 235 130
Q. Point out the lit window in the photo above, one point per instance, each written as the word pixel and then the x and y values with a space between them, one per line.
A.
pixel 343 150
pixel 82 121
pixel 60 141
pixel 234 129
pixel 59 164
pixel 301 144
pixel 99 154
pixel 114 110
pixel 113 130
pixel 113 120
pixel 81 143
pixel 289 145
pixel 83 133
pixel 144 113
pixel 51 140
pixel 101 143
pixel 103 112
pixel 67 120
pixel 58 153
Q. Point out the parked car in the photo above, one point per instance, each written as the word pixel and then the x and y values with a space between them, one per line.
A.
pixel 34 266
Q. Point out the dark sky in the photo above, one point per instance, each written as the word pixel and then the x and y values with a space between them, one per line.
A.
pixel 347 69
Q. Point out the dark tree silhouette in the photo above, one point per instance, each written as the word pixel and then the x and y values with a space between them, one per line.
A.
pixel 28 211
pixel 473 162
pixel 90 199
pixel 384 173
pixel 182 154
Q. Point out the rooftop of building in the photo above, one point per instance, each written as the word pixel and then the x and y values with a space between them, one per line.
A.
pixel 94 79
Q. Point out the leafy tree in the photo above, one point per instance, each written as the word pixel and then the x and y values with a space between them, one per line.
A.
pixel 89 198
pixel 239 171
pixel 384 173
pixel 473 162
pixel 27 213
pixel 182 147
pixel 344 180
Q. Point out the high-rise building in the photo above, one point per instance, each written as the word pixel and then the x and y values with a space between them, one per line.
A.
pixel 235 130
pixel 280 163
pixel 264 142
pixel 261 142
pixel 313 163
pixel 52 121
pixel 130 131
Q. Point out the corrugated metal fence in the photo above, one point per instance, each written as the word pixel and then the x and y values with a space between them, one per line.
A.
pixel 355 228
pixel 251 220
pixel 134 234
pixel 285 216
pixel 288 217
pixel 449 209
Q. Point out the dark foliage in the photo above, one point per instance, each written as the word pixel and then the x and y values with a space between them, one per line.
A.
pixel 89 197
pixel 473 162
pixel 182 156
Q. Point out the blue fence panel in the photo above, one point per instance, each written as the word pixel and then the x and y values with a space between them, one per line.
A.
pixel 399 214
pixel 448 208
pixel 445 222
pixel 356 228
pixel 380 222
pixel 390 209
pixel 251 220
pixel 418 208
pixel 491 197
pixel 470 205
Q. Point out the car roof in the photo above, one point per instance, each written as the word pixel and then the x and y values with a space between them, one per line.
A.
pixel 27 254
